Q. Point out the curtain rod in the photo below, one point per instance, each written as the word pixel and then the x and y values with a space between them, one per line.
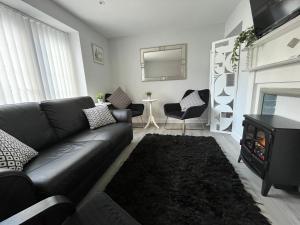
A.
pixel 30 17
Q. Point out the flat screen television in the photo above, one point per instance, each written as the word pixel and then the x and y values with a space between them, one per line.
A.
pixel 270 14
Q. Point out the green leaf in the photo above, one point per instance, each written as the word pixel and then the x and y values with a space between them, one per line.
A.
pixel 248 37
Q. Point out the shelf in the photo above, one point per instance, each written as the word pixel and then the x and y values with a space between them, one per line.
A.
pixel 280 31
pixel 274 65
pixel 285 28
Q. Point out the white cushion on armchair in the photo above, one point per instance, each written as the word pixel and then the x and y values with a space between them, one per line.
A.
pixel 191 100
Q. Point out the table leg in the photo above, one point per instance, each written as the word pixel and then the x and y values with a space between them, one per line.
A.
pixel 151 117
pixel 149 121
pixel 155 124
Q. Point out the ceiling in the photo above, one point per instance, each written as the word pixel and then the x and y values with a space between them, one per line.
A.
pixel 117 18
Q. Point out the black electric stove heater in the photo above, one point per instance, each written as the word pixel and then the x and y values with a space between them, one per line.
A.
pixel 270 147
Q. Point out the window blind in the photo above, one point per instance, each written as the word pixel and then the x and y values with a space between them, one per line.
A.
pixel 35 60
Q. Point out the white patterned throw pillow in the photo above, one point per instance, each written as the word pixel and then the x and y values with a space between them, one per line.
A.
pixel 99 116
pixel 119 99
pixel 14 154
pixel 191 100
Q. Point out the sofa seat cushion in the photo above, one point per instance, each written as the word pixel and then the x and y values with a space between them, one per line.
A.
pixel 60 168
pixel 113 133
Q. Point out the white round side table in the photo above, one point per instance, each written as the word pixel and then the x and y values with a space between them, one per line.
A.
pixel 151 117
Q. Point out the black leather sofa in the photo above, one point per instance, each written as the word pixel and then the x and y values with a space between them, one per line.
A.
pixel 71 156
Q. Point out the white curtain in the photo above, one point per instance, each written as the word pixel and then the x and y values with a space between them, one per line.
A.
pixel 35 60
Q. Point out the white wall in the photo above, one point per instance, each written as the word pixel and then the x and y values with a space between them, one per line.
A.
pixel 126 71
pixel 242 13
pixel 286 102
pixel 97 76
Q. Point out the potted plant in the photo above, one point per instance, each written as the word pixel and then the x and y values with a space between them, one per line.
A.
pixel 148 93
pixel 247 37
pixel 100 97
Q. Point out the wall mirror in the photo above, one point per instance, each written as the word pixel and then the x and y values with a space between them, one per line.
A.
pixel 164 63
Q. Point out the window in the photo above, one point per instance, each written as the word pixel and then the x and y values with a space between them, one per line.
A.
pixel 35 60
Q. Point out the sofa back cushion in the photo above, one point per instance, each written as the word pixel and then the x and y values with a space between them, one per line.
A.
pixel 27 123
pixel 66 115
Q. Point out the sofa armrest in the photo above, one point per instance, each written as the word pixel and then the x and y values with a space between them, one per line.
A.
pixel 17 192
pixel 58 207
pixel 122 115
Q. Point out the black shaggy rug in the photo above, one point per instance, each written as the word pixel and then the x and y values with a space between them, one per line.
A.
pixel 182 180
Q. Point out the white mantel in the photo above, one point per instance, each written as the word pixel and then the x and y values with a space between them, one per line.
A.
pixel 271 67
pixel 273 64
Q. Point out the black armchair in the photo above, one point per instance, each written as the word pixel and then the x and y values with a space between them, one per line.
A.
pixel 173 110
pixel 137 110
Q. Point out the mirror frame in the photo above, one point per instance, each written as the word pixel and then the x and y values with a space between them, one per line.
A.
pixel 183 48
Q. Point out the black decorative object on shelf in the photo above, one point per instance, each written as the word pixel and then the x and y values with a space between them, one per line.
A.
pixel 271 148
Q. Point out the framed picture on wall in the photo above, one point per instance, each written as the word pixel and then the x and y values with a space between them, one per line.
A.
pixel 98 54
